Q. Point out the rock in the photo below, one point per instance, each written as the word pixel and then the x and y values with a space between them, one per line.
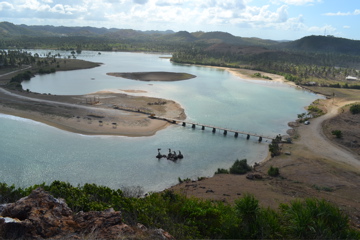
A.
pixel 106 224
pixel 163 235
pixel 41 216
pixel 253 176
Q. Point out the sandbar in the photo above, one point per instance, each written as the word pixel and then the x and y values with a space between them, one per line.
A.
pixel 101 113
pixel 153 76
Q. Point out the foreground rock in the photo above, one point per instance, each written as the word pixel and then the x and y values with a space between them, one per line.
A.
pixel 41 216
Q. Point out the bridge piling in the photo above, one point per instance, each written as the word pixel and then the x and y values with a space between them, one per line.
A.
pixel 214 130
pixel 183 124
pixel 203 128
pixel 193 126
pixel 236 134
pixel 248 137
pixel 225 132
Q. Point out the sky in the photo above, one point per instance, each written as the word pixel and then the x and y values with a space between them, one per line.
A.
pixel 266 19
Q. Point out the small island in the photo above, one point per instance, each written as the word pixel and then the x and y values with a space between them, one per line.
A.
pixel 154 76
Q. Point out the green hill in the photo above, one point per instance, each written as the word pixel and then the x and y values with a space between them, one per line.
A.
pixel 325 44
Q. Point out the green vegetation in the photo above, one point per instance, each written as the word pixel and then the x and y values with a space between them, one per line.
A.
pixel 274 147
pixel 355 109
pixel 315 111
pixel 337 133
pixel 262 76
pixel 240 167
pixel 222 171
pixel 273 171
pixel 190 218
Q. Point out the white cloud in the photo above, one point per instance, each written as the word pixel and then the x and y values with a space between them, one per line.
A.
pixel 296 2
pixel 6 6
pixel 355 12
pixel 346 27
pixel 328 29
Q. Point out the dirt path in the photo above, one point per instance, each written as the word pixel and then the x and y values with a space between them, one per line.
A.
pixel 314 139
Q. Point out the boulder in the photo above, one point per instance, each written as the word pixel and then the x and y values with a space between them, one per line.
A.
pixel 41 216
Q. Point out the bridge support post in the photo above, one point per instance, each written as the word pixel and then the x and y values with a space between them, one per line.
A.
pixel 260 139
pixel 183 124
pixel 203 128
pixel 214 130
pixel 248 137
pixel 236 135
pixel 193 126
pixel 225 132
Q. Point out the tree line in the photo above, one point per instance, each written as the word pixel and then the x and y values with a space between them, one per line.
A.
pixel 299 67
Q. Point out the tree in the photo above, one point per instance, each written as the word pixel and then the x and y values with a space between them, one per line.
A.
pixel 274 147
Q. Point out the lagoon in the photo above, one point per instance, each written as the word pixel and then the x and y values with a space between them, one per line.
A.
pixel 33 153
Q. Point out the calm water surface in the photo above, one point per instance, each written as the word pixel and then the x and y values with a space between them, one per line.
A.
pixel 32 152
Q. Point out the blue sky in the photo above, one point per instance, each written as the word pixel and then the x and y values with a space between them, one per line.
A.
pixel 267 19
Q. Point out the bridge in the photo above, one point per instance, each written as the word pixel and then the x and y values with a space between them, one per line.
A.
pixel 214 128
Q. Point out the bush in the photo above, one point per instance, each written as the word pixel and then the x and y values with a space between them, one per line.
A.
pixel 193 218
pixel 316 219
pixel 240 167
pixel 273 171
pixel 222 171
pixel 355 109
pixel 337 133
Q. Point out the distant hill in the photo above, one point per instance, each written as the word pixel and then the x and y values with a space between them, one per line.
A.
pixel 11 30
pixel 324 44
pixel 28 36
pixel 182 36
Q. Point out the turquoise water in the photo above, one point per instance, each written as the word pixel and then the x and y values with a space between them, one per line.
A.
pixel 33 153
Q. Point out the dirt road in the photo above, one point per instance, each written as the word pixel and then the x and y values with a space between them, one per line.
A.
pixel 313 138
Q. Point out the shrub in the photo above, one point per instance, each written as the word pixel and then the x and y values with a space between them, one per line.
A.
pixel 222 171
pixel 337 133
pixel 315 219
pixel 315 110
pixel 240 167
pixel 355 109
pixel 273 171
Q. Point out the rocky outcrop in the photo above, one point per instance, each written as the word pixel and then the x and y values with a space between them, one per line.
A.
pixel 41 216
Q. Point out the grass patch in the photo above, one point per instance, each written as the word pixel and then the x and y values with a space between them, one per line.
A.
pixel 321 188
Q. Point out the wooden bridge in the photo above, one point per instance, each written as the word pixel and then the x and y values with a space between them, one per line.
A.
pixel 214 128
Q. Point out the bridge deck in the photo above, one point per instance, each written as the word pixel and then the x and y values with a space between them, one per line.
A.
pixel 213 127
